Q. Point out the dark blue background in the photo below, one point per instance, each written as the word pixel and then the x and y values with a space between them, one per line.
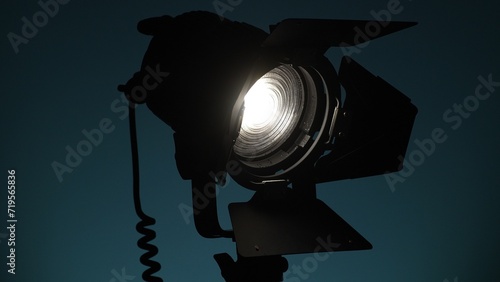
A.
pixel 441 223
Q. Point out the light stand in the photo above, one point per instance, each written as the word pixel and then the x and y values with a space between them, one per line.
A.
pixel 265 269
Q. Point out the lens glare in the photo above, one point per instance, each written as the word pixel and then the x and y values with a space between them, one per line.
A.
pixel 272 109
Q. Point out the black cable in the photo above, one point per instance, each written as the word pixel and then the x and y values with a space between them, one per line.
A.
pixel 149 234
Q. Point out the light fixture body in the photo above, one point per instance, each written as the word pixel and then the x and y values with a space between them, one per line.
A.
pixel 212 64
pixel 362 134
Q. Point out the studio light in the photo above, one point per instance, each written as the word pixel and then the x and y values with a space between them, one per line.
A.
pixel 271 110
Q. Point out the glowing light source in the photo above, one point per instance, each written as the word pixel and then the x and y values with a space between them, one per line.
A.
pixel 272 110
pixel 261 106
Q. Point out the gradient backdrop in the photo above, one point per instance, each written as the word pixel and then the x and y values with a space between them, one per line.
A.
pixel 440 222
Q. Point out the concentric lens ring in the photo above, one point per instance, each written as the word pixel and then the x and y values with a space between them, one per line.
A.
pixel 273 107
